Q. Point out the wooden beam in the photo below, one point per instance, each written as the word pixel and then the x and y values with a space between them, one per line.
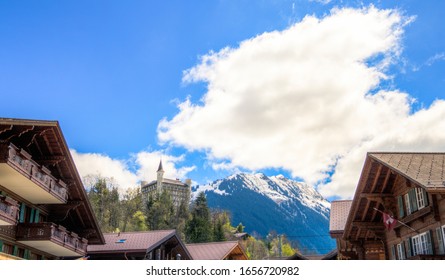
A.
pixel 435 205
pixel 385 183
pixel 368 225
pixel 377 197
pixel 376 178
pixel 50 160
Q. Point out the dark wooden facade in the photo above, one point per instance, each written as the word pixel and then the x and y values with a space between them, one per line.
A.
pixel 411 188
pixel 44 209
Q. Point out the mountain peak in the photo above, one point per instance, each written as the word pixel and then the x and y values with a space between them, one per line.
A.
pixel 277 203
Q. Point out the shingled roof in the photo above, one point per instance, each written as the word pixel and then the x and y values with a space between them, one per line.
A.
pixel 426 169
pixel 216 250
pixel 133 241
pixel 339 215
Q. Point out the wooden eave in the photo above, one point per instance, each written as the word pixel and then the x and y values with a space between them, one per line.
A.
pixel 167 238
pixel 373 190
pixel 237 252
pixel 407 177
pixel 44 140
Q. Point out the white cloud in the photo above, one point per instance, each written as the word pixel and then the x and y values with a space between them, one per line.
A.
pixel 145 163
pixel 437 57
pixel 148 163
pixel 301 99
pixel 324 2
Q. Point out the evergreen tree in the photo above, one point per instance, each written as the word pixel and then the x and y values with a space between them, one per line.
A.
pixel 240 228
pixel 199 227
pixel 104 198
pixel 160 212
pixel 182 216
pixel 218 231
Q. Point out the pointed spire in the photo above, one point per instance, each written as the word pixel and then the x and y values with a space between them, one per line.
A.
pixel 160 166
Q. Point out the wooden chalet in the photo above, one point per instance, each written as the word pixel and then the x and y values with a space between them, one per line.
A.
pixel 148 245
pixel 332 255
pixel 228 250
pixel 409 187
pixel 44 209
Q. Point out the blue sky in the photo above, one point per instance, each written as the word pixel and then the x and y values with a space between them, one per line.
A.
pixel 131 82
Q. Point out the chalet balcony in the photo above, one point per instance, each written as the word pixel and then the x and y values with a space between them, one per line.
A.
pixel 51 238
pixel 8 211
pixel 26 178
pixel 428 257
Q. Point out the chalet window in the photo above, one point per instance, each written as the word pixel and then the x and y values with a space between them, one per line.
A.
pixel 408 250
pixel 407 204
pixel 8 249
pixel 422 244
pixel 415 199
pixel 401 251
pixel 393 253
pixel 440 237
pixel 421 198
pixel 400 203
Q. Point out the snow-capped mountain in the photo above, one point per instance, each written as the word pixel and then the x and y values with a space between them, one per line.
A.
pixel 265 203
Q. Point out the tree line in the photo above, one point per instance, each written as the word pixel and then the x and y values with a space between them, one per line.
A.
pixel 195 222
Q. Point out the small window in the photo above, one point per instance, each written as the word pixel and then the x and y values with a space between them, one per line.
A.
pixel 422 244
pixel 121 241
pixel 407 204
pixel 400 251
pixel 421 201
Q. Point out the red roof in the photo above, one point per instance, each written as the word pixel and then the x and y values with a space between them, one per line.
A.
pixel 214 250
pixel 132 241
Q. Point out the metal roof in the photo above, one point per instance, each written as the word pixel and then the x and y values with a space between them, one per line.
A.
pixel 339 214
pixel 214 250
pixel 132 241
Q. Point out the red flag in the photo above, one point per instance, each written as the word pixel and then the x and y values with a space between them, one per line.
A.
pixel 389 221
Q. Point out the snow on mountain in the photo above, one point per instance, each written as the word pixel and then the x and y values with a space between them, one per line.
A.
pixel 277 203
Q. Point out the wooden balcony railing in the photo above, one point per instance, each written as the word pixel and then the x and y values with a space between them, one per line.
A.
pixel 8 211
pixel 57 234
pixel 40 175
pixel 428 257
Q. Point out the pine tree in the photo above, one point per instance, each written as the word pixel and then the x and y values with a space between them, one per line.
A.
pixel 160 212
pixel 218 231
pixel 240 228
pixel 104 198
pixel 199 227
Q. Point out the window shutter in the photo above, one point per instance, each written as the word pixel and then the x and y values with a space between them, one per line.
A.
pixel 425 197
pixel 31 216
pixel 393 252
pixel 26 254
pixel 403 252
pixel 408 248
pixel 15 251
pixel 440 240
pixel 400 203
pixel 413 200
pixel 429 243
pixel 37 216
pixel 1 246
pixel 22 213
